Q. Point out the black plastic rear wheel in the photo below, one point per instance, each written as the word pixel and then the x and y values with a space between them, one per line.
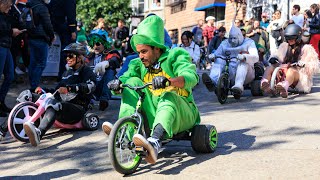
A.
pixel 223 88
pixel 204 138
pixel 258 70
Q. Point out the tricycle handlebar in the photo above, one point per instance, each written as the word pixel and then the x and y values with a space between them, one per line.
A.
pixel 135 87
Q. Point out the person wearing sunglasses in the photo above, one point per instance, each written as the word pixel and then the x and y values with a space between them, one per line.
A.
pixel 79 81
pixel 104 61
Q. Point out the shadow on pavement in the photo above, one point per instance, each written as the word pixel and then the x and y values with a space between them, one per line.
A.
pixel 179 155
pixel 207 102
pixel 44 176
pixel 236 140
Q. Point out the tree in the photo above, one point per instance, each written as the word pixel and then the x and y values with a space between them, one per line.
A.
pixel 88 11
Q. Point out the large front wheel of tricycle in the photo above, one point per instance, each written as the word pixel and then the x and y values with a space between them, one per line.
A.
pixel 20 114
pixel 273 81
pixel 223 88
pixel 204 138
pixel 121 148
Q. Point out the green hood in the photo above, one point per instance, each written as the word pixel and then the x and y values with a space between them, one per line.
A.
pixel 150 32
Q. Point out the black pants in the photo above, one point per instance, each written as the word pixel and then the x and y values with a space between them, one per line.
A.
pixel 69 114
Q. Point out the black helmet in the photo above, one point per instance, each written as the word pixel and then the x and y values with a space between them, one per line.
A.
pixel 75 48
pixel 293 31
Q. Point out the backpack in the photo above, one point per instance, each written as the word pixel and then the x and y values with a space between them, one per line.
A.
pixel 26 18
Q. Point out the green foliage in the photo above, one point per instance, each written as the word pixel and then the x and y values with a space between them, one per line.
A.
pixel 89 11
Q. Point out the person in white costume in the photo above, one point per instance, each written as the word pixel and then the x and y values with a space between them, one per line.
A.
pixel 241 69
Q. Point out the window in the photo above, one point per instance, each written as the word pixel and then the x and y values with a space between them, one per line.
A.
pixel 138 7
pixel 141 7
pixel 217 12
pixel 156 4
pixel 178 7
pixel 257 11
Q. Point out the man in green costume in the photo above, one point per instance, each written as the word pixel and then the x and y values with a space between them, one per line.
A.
pixel 169 105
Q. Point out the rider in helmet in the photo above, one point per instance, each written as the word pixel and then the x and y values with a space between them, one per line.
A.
pixel 293 50
pixel 78 80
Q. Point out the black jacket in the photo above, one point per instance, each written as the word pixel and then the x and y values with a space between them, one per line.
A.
pixel 5 31
pixel 63 15
pixel 215 43
pixel 84 79
pixel 43 29
pixel 315 24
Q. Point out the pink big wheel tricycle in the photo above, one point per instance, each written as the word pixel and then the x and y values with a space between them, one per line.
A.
pixel 34 111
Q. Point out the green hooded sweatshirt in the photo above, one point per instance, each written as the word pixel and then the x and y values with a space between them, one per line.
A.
pixel 175 112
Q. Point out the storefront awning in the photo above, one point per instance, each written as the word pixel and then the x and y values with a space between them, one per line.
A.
pixel 206 4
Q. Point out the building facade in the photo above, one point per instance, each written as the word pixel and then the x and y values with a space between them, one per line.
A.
pixel 141 8
pixel 182 15
pixel 254 8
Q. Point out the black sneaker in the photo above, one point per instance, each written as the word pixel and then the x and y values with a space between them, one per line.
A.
pixel 236 92
pixel 208 82
pixel 103 105
pixel 2 134
pixel 4 107
pixel 3 114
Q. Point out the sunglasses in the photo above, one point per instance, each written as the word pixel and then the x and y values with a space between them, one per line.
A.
pixel 98 43
pixel 291 37
pixel 70 56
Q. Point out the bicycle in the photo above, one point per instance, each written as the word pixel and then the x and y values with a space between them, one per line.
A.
pixel 202 65
pixel 126 157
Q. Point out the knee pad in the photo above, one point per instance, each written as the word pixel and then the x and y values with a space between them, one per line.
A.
pixel 55 104
pixel 24 96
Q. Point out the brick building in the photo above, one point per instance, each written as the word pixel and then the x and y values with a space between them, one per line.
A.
pixel 182 15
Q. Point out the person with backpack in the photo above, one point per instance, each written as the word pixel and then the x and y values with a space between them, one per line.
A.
pixel 217 39
pixel 192 48
pixel 275 31
pixel 40 37
pixel 6 61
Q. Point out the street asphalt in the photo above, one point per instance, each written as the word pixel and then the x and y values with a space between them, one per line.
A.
pixel 259 138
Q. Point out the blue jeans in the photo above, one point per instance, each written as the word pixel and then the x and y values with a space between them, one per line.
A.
pixel 125 65
pixel 38 61
pixel 102 91
pixel 6 67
